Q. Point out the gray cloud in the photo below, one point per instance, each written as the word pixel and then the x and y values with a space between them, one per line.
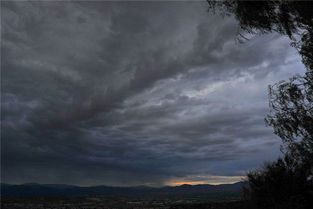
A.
pixel 133 93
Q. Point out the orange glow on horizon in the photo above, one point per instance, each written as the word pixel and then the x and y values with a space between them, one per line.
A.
pixel 178 183
pixel 213 180
pixel 219 183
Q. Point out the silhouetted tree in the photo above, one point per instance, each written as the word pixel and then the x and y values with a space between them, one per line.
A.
pixel 287 182
pixel 291 115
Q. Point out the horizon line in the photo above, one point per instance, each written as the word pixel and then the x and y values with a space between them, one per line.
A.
pixel 139 185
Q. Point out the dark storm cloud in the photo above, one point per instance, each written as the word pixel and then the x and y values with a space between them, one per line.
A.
pixel 133 93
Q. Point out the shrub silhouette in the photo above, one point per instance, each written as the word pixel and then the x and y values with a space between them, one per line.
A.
pixel 280 185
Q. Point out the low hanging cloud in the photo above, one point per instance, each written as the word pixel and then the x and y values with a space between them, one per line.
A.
pixel 134 93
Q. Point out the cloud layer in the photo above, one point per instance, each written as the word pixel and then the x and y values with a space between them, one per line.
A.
pixel 134 93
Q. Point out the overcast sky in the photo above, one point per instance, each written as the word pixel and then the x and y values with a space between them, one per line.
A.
pixel 134 93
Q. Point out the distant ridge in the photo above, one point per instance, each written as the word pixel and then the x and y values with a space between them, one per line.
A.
pixel 63 189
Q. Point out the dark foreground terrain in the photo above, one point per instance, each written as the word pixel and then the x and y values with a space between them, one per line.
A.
pixel 57 196
pixel 110 202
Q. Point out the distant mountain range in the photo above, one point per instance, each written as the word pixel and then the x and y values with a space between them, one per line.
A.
pixel 61 189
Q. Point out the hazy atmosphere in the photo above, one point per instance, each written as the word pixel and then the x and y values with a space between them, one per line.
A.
pixel 134 93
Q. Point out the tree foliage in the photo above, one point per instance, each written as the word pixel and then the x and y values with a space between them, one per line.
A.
pixel 291 18
pixel 291 102
pixel 291 114
pixel 287 182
